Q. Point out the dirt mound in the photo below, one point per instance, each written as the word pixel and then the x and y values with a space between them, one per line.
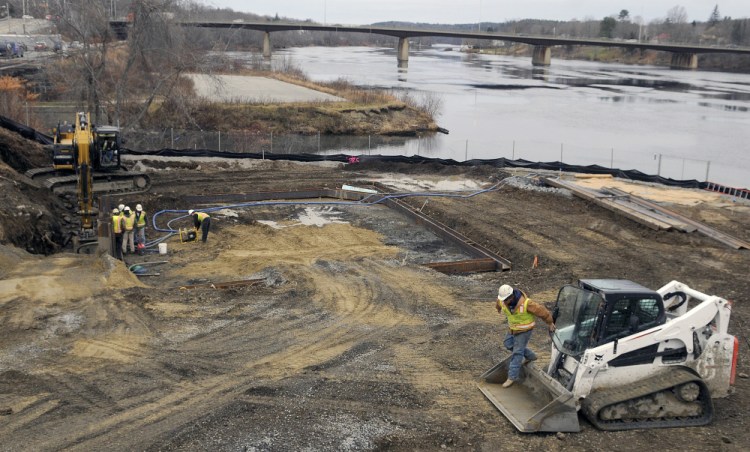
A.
pixel 33 218
pixel 20 153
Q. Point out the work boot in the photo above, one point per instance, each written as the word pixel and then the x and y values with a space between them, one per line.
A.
pixel 528 360
pixel 508 383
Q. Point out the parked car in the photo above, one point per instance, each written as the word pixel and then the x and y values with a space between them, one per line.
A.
pixel 40 46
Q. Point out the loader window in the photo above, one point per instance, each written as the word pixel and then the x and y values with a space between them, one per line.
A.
pixel 577 321
pixel 629 315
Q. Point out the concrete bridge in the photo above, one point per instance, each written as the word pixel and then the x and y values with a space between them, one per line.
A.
pixel 683 56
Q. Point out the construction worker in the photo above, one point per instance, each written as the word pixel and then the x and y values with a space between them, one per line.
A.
pixel 140 225
pixel 127 224
pixel 201 220
pixel 117 231
pixel 521 313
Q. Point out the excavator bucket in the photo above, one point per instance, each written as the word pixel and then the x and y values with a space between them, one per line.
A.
pixel 535 403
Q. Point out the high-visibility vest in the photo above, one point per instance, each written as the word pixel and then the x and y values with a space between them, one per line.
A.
pixel 116 224
pixel 202 216
pixel 520 320
pixel 141 219
pixel 129 222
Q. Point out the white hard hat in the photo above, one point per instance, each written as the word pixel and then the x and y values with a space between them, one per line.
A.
pixel 504 292
pixel 138 207
pixel 115 211
pixel 127 209
pixel 121 207
pixel 190 212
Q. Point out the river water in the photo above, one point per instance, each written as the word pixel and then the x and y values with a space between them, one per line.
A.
pixel 679 124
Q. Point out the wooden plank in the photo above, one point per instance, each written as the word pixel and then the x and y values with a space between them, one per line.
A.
pixel 703 228
pixel 609 204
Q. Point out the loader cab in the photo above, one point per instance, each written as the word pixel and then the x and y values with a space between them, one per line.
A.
pixel 598 311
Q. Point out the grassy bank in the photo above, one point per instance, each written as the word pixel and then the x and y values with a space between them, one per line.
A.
pixel 364 112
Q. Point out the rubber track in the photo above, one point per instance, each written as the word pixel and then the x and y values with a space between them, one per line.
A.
pixel 53 183
pixel 597 401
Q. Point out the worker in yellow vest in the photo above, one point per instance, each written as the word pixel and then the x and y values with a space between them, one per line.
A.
pixel 117 232
pixel 201 221
pixel 140 225
pixel 521 313
pixel 127 223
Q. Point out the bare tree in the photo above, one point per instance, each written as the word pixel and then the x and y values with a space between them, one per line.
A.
pixel 677 15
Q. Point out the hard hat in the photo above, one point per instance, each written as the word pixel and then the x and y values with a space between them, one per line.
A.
pixel 190 212
pixel 138 208
pixel 504 292
pixel 115 211
pixel 121 207
pixel 127 209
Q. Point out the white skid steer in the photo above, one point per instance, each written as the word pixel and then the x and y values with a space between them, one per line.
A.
pixel 628 357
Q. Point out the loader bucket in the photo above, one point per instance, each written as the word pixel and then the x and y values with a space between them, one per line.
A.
pixel 535 403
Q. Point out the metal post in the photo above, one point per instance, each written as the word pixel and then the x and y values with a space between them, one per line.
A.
pixel 658 168
pixel 318 140
pixel 612 158
pixel 708 167
pixel 369 143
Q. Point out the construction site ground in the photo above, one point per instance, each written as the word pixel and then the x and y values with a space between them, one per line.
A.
pixel 345 341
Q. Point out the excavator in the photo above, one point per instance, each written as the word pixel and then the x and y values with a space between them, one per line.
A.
pixel 627 357
pixel 92 154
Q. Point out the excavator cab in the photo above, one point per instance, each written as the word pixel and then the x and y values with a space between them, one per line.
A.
pixel 106 154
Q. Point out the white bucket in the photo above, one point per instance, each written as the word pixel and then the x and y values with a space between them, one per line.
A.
pixel 162 248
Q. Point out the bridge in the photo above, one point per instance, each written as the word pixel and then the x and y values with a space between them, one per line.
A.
pixel 683 56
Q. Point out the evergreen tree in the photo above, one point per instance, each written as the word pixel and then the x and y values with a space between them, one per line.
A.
pixel 715 16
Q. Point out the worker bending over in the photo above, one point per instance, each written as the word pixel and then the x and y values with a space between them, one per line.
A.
pixel 521 313
pixel 201 221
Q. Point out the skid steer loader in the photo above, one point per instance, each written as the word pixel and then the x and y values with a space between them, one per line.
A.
pixel 626 356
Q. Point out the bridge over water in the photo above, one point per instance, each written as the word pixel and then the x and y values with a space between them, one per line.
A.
pixel 683 56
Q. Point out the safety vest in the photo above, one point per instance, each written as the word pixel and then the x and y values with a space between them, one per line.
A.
pixel 202 216
pixel 141 219
pixel 521 320
pixel 129 222
pixel 116 224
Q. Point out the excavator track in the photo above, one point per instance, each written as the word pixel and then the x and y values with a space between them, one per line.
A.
pixel 116 182
pixel 677 398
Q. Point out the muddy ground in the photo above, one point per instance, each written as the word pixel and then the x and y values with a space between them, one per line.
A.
pixel 346 341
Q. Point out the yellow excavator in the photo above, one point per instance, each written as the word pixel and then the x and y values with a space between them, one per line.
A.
pixel 92 153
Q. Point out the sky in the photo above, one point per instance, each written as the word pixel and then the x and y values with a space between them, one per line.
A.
pixel 362 12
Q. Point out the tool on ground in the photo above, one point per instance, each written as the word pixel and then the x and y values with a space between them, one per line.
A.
pixel 188 235
pixel 628 357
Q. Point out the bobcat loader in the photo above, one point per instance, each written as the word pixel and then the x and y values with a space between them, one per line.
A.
pixel 626 356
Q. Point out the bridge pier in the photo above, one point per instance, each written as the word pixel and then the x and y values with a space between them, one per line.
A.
pixel 267 45
pixel 684 61
pixel 541 56
pixel 402 50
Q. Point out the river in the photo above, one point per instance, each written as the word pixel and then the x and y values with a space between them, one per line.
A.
pixel 679 124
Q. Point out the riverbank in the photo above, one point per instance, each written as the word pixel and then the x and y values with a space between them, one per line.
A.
pixel 274 103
